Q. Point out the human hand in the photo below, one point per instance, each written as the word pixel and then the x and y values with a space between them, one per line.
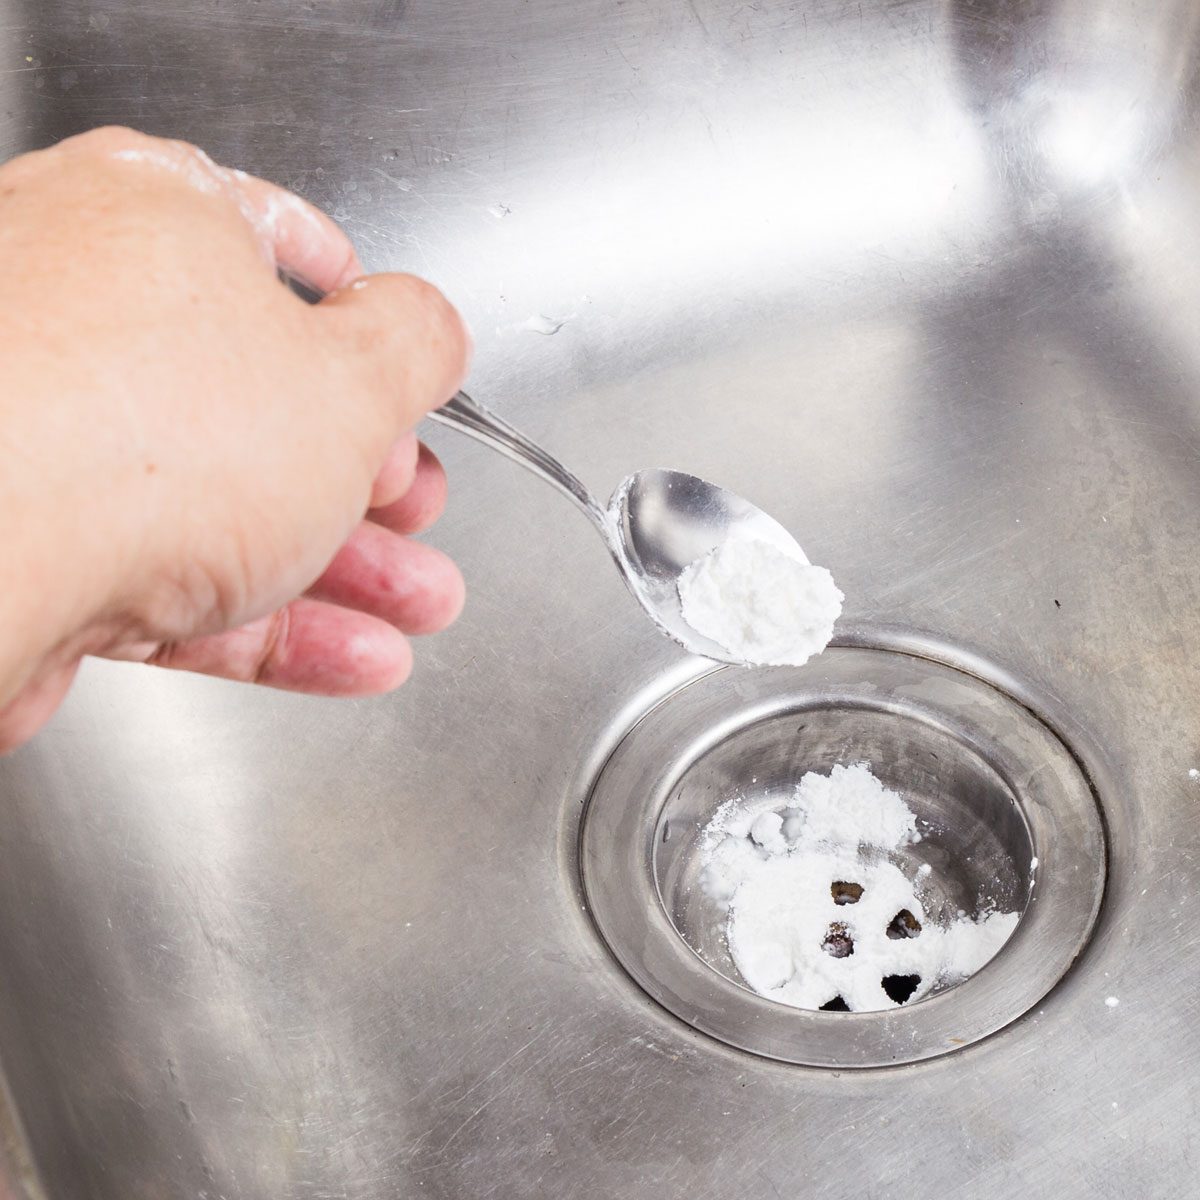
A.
pixel 197 469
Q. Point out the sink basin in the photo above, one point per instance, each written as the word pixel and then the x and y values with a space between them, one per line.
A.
pixel 920 279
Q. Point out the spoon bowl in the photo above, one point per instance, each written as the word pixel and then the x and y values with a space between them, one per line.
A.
pixel 663 522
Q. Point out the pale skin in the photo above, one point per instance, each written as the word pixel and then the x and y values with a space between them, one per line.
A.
pixel 197 469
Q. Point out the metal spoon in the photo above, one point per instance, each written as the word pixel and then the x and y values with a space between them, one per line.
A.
pixel 657 523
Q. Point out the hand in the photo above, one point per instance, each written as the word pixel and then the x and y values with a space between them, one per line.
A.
pixel 197 469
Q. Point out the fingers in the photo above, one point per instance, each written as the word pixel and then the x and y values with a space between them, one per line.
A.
pixel 292 234
pixel 344 638
pixel 417 505
pixel 405 344
pixel 306 647
pixel 181 161
pixel 34 706
pixel 410 585
pixel 297 237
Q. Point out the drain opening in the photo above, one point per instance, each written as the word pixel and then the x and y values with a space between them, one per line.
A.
pixel 846 893
pixel 901 987
pixel 837 1004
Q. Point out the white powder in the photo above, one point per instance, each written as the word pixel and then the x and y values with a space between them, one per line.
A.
pixel 758 603
pixel 849 807
pixel 781 872
pixel 767 832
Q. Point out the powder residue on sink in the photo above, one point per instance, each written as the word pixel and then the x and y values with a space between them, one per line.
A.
pixel 762 605
pixel 820 915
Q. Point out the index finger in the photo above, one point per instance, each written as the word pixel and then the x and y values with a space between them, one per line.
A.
pixel 296 236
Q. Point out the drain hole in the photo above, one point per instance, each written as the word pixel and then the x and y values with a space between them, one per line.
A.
pixel 837 1004
pixel 838 943
pixel 903 925
pixel 846 893
pixel 901 987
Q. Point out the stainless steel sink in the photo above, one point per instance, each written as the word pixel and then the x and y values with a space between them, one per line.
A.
pixel 922 280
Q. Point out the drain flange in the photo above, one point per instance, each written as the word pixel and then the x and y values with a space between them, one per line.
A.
pixel 1010 823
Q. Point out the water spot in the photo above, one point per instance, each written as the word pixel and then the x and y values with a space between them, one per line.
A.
pixel 404 185
pixel 546 326
pixel 1111 1001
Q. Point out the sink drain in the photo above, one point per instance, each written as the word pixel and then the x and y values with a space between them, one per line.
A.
pixel 1009 824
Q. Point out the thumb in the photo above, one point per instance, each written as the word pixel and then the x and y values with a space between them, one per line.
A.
pixel 404 344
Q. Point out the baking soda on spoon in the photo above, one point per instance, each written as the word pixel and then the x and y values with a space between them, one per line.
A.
pixel 762 604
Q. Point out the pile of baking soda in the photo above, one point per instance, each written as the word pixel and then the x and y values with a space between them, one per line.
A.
pixel 819 916
pixel 761 604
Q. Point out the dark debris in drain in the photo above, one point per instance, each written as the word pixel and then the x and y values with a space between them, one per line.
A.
pixel 838 943
pixel 846 893
pixel 903 925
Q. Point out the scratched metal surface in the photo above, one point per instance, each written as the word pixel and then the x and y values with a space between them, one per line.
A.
pixel 920 279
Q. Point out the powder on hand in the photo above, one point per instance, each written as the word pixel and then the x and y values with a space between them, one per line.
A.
pixel 816 908
pixel 760 604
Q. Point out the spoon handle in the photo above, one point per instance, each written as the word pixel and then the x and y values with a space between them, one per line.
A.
pixel 472 418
